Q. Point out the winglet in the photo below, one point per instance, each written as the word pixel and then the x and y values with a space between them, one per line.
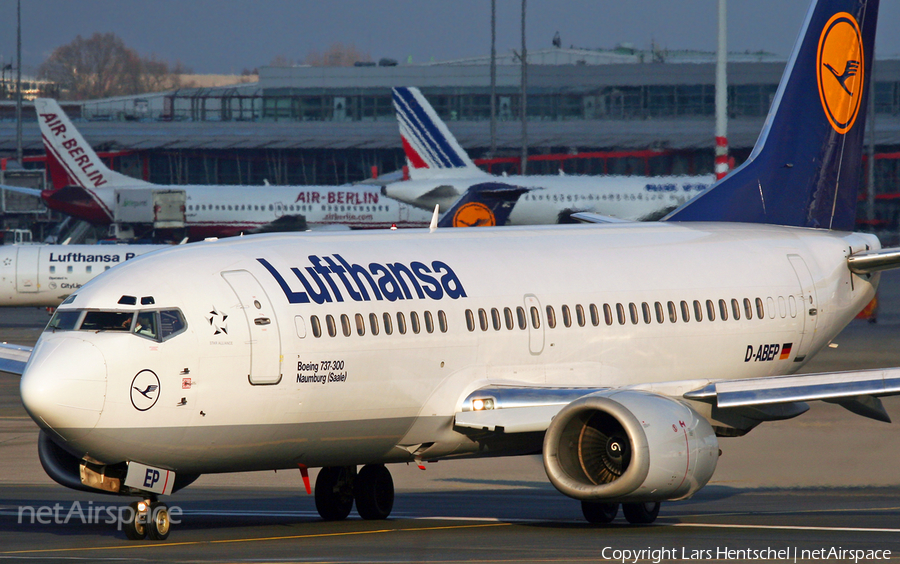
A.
pixel 434 219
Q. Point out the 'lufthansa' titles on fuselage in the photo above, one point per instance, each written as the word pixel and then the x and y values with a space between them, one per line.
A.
pixel 333 279
pixel 80 257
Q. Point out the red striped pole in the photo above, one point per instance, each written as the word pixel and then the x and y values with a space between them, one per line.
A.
pixel 721 157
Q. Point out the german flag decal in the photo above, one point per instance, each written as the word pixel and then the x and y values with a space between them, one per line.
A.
pixel 785 351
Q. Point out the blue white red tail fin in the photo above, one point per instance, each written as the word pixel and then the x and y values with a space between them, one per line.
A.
pixel 69 155
pixel 431 150
pixel 806 166
pixel 483 205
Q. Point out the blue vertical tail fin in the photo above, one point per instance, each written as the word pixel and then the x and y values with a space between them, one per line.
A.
pixel 483 205
pixel 806 167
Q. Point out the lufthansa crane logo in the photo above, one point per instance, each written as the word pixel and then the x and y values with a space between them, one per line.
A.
pixel 474 214
pixel 144 390
pixel 840 70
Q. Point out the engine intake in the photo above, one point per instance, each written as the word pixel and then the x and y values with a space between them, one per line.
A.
pixel 629 446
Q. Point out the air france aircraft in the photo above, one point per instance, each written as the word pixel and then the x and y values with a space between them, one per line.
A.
pixel 440 171
pixel 620 352
pixel 85 188
pixel 45 275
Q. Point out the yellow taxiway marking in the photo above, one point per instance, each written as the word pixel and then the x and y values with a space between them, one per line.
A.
pixel 257 539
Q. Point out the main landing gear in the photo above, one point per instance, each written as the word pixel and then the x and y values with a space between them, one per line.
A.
pixel 337 487
pixel 147 518
pixel 635 513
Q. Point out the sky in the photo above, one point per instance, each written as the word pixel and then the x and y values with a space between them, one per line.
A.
pixel 228 36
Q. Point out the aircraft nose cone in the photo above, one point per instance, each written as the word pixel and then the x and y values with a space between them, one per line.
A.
pixel 64 385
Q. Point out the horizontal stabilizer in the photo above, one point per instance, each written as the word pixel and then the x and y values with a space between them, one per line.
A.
pixel 874 261
pixel 848 389
pixel 590 217
pixel 13 358
pixel 22 190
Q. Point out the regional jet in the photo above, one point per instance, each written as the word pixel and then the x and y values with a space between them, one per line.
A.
pixel 45 275
pixel 440 171
pixel 85 188
pixel 620 352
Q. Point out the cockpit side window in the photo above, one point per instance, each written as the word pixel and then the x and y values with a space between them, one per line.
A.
pixel 107 321
pixel 171 323
pixel 65 320
pixel 145 325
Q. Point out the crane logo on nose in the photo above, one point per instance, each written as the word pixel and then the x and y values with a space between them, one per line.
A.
pixel 144 390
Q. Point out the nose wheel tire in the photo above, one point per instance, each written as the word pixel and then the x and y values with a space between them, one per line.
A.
pixel 599 513
pixel 158 523
pixel 641 513
pixel 374 492
pixel 135 525
pixel 334 492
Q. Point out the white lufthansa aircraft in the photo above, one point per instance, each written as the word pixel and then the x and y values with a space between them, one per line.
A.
pixel 618 351
pixel 89 192
pixel 440 171
pixel 45 275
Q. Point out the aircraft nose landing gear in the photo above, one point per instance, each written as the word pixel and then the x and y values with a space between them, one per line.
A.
pixel 337 488
pixel 147 518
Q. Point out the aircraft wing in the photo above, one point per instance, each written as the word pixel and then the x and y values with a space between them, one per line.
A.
pixel 13 358
pixel 22 190
pixel 857 391
pixel 501 409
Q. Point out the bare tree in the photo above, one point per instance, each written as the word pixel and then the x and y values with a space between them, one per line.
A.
pixel 103 66
pixel 338 55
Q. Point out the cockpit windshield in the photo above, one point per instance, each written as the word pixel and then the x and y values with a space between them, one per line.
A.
pixel 155 324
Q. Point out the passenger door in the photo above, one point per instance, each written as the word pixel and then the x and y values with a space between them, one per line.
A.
pixel 809 306
pixel 265 339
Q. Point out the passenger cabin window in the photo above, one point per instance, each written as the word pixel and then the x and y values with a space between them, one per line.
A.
pixel 551 317
pixel 535 318
pixel 660 313
pixel 748 308
pixel 360 324
pixel 760 312
pixel 401 323
pixel 673 312
pixel 645 309
pixel 442 321
pixel 567 316
pixel 723 310
pixel 470 320
pixel 345 324
pixel 710 310
pixel 495 318
pixel 620 313
pixel 520 314
pixel 388 326
pixel 735 309
pixel 482 319
pixel 373 323
pixel 579 315
pixel 429 322
pixel 685 311
pixel 595 315
pixel 332 328
pixel 607 314
pixel 414 322
pixel 698 311
pixel 508 317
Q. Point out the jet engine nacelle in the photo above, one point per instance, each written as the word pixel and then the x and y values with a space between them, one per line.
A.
pixel 629 446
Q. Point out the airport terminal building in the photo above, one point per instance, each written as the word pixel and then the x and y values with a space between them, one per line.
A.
pixel 620 111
